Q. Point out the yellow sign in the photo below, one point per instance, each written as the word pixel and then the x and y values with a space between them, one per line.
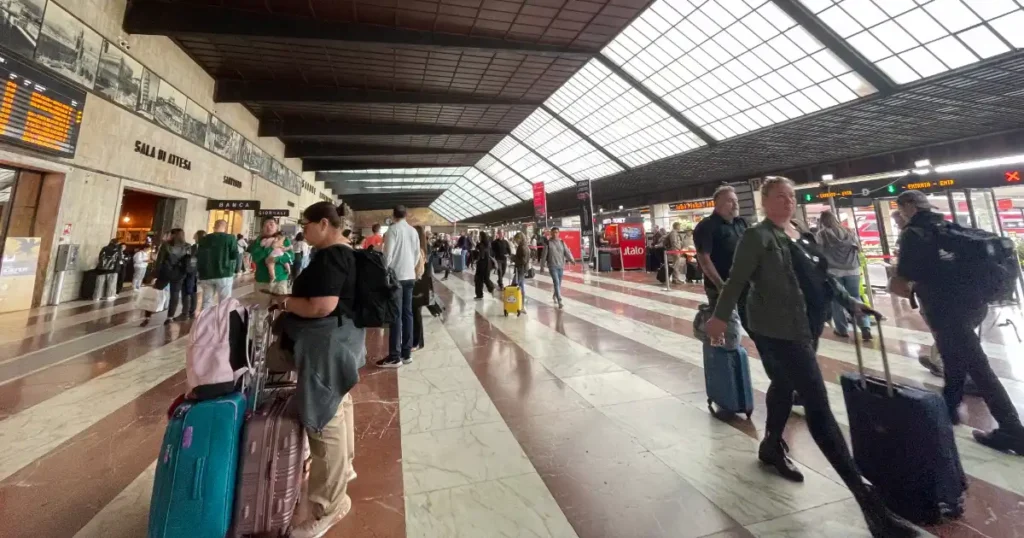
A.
pixel 18 273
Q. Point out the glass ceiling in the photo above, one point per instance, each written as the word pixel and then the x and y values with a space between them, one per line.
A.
pixel 909 40
pixel 525 164
pixel 732 68
pixel 619 118
pixel 505 176
pixel 550 137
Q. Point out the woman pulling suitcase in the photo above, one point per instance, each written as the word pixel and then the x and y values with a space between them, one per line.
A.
pixel 787 306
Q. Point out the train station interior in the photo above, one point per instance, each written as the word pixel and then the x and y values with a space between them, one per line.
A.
pixel 589 412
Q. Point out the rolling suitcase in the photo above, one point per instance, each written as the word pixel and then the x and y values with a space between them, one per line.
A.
pixel 458 260
pixel 727 380
pixel 88 285
pixel 194 488
pixel 512 297
pixel 903 443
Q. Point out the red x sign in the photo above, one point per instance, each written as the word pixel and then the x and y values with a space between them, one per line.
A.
pixel 1012 177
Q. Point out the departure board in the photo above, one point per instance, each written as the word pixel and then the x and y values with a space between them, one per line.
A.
pixel 38 111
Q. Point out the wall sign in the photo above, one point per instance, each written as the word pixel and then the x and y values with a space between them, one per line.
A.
pixel 237 205
pixel 228 180
pixel 154 152
pixel 273 213
pixel 693 204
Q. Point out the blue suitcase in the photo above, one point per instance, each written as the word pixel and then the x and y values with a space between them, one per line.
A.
pixel 903 444
pixel 459 261
pixel 194 489
pixel 727 379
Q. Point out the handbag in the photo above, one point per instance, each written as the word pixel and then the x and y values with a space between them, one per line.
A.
pixel 151 299
pixel 435 306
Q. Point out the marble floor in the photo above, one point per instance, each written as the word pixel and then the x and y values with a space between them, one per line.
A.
pixel 589 421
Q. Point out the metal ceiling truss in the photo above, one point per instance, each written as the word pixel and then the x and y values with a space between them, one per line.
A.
pixel 310 128
pixel 237 91
pixel 172 20
pixel 317 149
pixel 541 157
pixel 586 138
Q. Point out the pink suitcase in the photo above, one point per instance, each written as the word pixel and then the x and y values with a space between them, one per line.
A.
pixel 270 469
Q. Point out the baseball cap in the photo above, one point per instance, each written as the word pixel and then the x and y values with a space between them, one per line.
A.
pixel 915 198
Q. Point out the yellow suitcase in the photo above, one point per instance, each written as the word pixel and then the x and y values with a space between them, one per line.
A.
pixel 512 297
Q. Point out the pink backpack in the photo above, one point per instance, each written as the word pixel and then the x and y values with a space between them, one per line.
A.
pixel 208 357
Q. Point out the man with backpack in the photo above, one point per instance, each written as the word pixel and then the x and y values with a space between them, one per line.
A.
pixel 109 266
pixel 955 273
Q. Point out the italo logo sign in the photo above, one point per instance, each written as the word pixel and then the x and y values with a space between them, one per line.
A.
pixel 633 251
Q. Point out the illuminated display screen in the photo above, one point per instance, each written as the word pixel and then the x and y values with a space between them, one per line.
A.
pixel 694 204
pixel 925 185
pixel 38 111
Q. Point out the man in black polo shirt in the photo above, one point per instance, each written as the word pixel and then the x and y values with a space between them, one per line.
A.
pixel 715 239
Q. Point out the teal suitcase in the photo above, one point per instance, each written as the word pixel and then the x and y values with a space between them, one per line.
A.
pixel 194 489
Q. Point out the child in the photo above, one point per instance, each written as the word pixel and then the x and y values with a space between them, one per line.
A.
pixel 276 242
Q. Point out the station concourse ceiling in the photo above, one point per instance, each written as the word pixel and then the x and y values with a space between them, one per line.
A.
pixel 464 104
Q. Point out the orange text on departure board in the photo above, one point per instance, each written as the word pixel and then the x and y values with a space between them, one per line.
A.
pixel 48 122
pixel 6 104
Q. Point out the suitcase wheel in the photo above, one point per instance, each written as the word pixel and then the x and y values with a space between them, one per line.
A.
pixel 506 313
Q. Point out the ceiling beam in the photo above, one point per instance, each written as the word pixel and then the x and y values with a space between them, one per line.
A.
pixel 312 128
pixel 657 100
pixel 175 19
pixel 229 90
pixel 837 45
pixel 324 165
pixel 315 149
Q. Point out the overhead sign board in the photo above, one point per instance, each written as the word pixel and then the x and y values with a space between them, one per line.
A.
pixel 37 110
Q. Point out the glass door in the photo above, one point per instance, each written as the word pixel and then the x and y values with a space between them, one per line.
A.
pixel 983 210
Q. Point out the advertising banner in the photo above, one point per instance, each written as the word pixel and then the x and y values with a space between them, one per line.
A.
pixel 586 207
pixel 18 273
pixel 633 243
pixel 540 204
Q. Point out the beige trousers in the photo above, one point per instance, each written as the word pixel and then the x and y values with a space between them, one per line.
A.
pixel 332 451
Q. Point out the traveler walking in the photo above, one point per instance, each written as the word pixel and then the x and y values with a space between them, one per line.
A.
pixel 107 268
pixel 953 308
pixel 401 252
pixel 263 256
pixel 677 262
pixel 555 255
pixel 840 248
pixel 715 239
pixel 190 286
pixel 140 263
pixel 375 240
pixel 172 262
pixel 319 336
pixel 443 250
pixel 300 249
pixel 500 249
pixel 243 255
pixel 484 265
pixel 217 257
pixel 788 306
pixel 422 290
pixel 520 263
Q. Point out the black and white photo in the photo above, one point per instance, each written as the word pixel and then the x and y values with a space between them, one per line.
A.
pixel 20 21
pixel 149 86
pixel 223 140
pixel 68 47
pixel 196 121
pixel 252 157
pixel 119 77
pixel 169 109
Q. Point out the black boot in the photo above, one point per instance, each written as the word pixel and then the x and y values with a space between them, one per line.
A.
pixel 1003 439
pixel 882 522
pixel 773 452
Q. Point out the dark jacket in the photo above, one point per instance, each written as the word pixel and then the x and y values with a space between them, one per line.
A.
pixel 172 262
pixel 423 287
pixel 500 249
pixel 919 258
pixel 521 259
pixel 111 259
pixel 327 359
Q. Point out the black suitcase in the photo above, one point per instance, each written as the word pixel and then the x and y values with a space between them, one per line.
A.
pixel 903 444
pixel 88 285
pixel 693 272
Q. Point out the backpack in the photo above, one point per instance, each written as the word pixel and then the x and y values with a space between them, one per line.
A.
pixel 217 350
pixel 377 291
pixel 974 264
pixel 108 259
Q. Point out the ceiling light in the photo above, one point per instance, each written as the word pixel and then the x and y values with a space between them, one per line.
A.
pixel 983 163
pixel 923 163
pixel 827 177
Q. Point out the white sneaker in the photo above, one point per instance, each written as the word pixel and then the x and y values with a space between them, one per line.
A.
pixel 316 528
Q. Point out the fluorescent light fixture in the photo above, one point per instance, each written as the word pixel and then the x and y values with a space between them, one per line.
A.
pixel 923 163
pixel 983 163
pixel 921 171
pixel 870 177
pixel 827 177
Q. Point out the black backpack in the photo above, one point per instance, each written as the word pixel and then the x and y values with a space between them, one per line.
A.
pixel 108 259
pixel 973 264
pixel 377 291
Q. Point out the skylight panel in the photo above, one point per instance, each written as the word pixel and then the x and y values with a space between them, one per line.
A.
pixel 504 175
pixel 910 40
pixel 619 118
pixel 551 138
pixel 732 67
pixel 474 193
pixel 491 187
pixel 460 206
pixel 528 165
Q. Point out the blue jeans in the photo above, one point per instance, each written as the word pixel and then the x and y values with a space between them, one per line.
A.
pixel 519 279
pixel 400 333
pixel 852 285
pixel 556 280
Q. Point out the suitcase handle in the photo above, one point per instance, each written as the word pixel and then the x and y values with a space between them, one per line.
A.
pixel 197 480
pixel 860 356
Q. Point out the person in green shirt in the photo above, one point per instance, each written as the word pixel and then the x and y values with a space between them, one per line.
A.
pixel 217 255
pixel 260 250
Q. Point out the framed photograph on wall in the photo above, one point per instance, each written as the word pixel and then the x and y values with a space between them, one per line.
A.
pixel 196 121
pixel 169 109
pixel 223 140
pixel 20 21
pixel 252 157
pixel 119 77
pixel 150 84
pixel 68 47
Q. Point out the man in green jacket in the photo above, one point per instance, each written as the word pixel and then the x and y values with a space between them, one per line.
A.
pixel 260 250
pixel 217 255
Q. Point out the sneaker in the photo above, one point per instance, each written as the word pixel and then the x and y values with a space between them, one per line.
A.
pixel 316 528
pixel 387 362
pixel 841 334
pixel 1002 439
pixel 773 454
pixel 168 321
pixel 560 305
pixel 145 323
pixel 865 334
pixel 407 360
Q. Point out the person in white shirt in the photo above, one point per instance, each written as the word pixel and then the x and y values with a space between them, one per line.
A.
pixel 401 253
pixel 140 262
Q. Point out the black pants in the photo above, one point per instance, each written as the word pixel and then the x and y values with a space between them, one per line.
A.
pixel 794 366
pixel 501 268
pixel 418 339
pixel 483 278
pixel 959 345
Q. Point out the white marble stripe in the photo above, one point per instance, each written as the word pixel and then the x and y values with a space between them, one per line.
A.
pixel 13 332
pixel 127 515
pixel 30 434
pixel 999 469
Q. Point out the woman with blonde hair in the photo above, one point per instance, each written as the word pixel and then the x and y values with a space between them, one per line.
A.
pixel 840 247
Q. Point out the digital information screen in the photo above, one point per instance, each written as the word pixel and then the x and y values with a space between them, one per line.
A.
pixel 38 111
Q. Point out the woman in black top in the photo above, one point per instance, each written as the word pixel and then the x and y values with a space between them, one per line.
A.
pixel 421 292
pixel 326 289
pixel 483 266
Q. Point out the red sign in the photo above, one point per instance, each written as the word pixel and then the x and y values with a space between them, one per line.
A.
pixel 540 201
pixel 633 243
pixel 1013 176
pixel 572 239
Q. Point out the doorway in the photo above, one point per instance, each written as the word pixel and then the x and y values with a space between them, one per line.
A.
pixel 29 202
